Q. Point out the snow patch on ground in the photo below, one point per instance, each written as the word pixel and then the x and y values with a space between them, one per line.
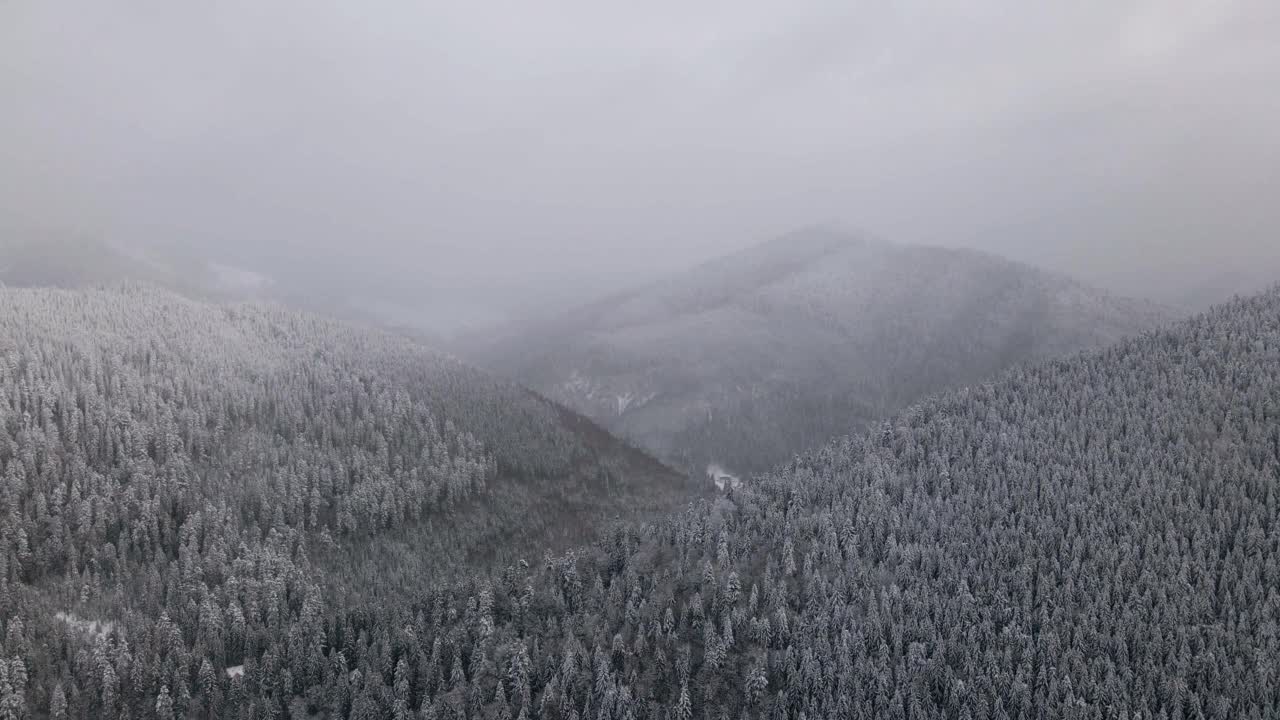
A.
pixel 579 384
pixel 235 671
pixel 606 398
pixel 624 402
pixel 721 477
pixel 96 628
pixel 628 400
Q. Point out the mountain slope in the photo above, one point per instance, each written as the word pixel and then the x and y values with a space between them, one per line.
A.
pixel 752 358
pixel 1092 537
pixel 141 432
pixel 81 262
pixel 204 273
pixel 69 263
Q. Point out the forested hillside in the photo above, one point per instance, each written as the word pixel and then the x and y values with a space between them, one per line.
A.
pixel 1090 538
pixel 757 356
pixel 164 461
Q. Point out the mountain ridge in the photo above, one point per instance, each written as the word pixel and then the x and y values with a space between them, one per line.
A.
pixel 1084 536
pixel 761 333
pixel 558 468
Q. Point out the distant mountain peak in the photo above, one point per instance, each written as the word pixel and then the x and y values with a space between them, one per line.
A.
pixel 800 246
pixel 821 236
pixel 762 353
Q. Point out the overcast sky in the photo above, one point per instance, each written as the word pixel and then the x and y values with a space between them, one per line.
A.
pixel 539 142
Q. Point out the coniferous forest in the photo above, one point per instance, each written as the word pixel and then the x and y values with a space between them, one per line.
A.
pixel 763 360
pixel 243 512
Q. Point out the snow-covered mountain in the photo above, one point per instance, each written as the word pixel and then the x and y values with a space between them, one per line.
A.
pixel 756 356
pixel 82 262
